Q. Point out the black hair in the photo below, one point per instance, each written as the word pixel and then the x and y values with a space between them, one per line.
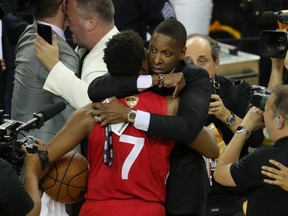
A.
pixel 173 29
pixel 124 54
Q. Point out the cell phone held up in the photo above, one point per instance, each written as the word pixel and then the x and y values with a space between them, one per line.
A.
pixel 45 32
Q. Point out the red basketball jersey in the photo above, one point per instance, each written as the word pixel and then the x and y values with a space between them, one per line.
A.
pixel 139 169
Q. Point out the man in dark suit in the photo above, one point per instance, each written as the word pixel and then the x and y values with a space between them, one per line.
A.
pixel 166 55
pixel 12 28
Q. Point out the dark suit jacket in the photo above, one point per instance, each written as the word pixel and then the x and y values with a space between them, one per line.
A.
pixel 187 185
pixel 12 28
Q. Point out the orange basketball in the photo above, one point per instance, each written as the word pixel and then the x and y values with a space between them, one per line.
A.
pixel 66 181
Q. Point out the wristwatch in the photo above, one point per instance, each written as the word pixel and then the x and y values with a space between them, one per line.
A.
pixel 131 116
pixel 231 120
pixel 242 129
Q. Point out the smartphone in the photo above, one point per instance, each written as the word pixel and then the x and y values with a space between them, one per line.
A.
pixel 45 32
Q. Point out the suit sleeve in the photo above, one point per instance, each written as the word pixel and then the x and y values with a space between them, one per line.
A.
pixel 192 113
pixel 121 86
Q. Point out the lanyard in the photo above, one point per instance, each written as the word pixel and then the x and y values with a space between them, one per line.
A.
pixel 108 146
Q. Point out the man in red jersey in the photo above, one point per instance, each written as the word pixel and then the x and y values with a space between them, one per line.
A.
pixel 128 172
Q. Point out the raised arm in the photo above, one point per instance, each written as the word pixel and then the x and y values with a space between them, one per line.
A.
pixel 74 131
pixel 121 86
pixel 62 80
pixel 184 127
pixel 128 85
pixel 277 69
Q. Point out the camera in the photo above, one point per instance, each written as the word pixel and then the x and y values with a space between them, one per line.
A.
pixel 11 145
pixel 274 44
pixel 12 138
pixel 258 96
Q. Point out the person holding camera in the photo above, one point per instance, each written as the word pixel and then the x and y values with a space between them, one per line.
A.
pixel 16 199
pixel 276 172
pixel 229 104
pixel 244 174
pixel 30 76
pixel 230 98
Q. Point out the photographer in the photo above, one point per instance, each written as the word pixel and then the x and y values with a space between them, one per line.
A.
pixel 245 174
pixel 14 198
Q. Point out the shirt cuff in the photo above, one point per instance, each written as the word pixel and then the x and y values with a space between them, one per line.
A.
pixel 142 120
pixel 144 82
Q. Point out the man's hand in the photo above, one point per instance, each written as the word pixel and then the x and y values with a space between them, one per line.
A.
pixel 278 176
pixel 33 164
pixel 110 113
pixel 253 119
pixel 171 80
pixel 218 109
pixel 47 54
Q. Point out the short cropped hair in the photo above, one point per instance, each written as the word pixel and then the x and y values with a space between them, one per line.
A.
pixel 103 9
pixel 280 105
pixel 124 54
pixel 46 8
pixel 215 48
pixel 173 29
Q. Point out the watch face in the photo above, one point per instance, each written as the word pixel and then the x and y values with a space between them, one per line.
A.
pixel 132 115
pixel 231 120
pixel 239 128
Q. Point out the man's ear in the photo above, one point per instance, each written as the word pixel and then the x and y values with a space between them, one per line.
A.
pixel 217 63
pixel 92 23
pixel 144 67
pixel 183 52
pixel 64 6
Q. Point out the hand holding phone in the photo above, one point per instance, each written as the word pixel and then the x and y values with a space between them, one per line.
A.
pixel 45 32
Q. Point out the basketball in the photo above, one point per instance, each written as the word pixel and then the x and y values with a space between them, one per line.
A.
pixel 66 181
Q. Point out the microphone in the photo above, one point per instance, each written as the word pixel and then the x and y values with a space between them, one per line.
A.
pixel 42 116
pixel 269 17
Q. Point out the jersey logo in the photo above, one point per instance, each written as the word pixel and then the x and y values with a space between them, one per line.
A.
pixel 132 101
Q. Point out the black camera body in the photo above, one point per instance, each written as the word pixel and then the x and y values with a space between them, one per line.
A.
pixel 258 96
pixel 10 145
pixel 274 44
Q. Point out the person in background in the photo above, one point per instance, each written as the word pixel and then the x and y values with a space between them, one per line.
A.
pixel 253 24
pixel 30 75
pixel 230 98
pixel 11 29
pixel 229 104
pixel 245 173
pixel 276 172
pixel 29 97
pixel 92 24
pixel 142 16
pixel 16 199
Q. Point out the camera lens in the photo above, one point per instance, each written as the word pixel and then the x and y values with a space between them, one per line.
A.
pixel 276 43
pixel 273 44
